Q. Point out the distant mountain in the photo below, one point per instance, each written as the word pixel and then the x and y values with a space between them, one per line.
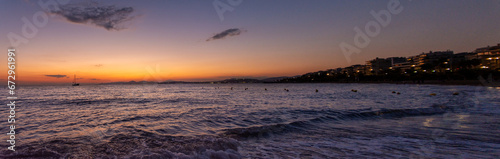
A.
pixel 243 80
pixel 178 82
pixel 132 82
pixel 232 80
pixel 274 79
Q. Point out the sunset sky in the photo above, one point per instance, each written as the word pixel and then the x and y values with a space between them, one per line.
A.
pixel 188 40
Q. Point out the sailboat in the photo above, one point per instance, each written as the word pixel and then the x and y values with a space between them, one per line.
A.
pixel 74 82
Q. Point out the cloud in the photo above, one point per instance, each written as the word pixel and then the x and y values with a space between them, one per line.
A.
pixel 98 65
pixel 226 33
pixel 107 17
pixel 56 76
pixel 94 79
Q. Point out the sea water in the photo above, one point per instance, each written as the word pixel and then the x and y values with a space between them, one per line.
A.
pixel 254 121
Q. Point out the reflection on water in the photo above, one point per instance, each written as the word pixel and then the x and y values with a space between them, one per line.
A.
pixel 263 121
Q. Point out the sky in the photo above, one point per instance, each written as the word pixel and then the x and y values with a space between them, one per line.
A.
pixel 203 40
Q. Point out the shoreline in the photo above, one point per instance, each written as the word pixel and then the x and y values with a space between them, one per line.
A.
pixel 430 82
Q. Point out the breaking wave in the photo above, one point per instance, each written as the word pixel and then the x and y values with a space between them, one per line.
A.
pixel 136 144
pixel 363 114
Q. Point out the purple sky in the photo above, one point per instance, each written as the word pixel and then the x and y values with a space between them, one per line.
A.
pixel 268 38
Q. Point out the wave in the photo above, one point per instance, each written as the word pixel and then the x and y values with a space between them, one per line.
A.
pixel 132 144
pixel 362 114
pixel 120 101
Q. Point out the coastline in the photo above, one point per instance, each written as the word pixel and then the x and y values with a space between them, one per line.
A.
pixel 430 82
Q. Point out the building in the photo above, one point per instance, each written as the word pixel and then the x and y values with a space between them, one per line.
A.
pixel 404 67
pixel 397 60
pixel 462 60
pixel 377 65
pixel 359 69
pixel 489 56
pixel 354 70
pixel 432 58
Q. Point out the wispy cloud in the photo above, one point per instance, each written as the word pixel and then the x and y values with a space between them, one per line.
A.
pixel 107 17
pixel 56 76
pixel 98 65
pixel 226 33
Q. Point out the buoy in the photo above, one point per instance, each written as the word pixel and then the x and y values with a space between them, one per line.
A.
pixel 231 88
pixel 316 90
pixel 398 93
pixel 246 88
pixel 432 94
pixel 393 92
pixel 287 90
pixel 265 89
pixel 353 90
pixel 456 93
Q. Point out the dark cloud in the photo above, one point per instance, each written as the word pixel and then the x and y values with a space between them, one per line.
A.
pixel 56 76
pixel 94 79
pixel 226 33
pixel 108 17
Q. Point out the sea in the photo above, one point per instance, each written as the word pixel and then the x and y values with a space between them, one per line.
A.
pixel 229 121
